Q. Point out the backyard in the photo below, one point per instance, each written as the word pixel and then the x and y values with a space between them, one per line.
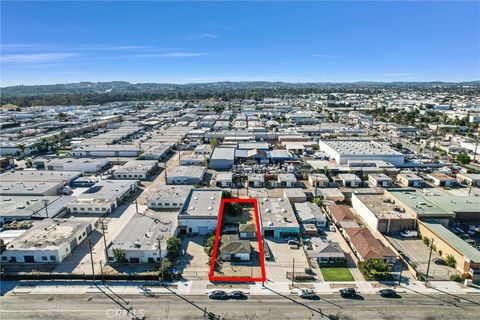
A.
pixel 336 274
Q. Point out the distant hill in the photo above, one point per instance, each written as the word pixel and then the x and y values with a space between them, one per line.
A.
pixel 126 87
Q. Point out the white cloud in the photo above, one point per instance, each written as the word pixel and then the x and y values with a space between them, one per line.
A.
pixel 208 35
pixel 177 54
pixel 37 57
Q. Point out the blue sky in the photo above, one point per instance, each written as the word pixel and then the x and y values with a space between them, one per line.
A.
pixel 182 42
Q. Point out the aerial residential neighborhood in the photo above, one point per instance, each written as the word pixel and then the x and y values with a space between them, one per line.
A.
pixel 240 160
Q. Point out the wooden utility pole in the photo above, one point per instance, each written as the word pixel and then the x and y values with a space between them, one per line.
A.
pixel 104 240
pixel 161 260
pixel 293 272
pixel 429 260
pixel 91 258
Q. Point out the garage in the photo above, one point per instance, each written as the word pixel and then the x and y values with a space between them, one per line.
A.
pixel 134 260
pixel 202 230
pixel 28 259
pixel 269 233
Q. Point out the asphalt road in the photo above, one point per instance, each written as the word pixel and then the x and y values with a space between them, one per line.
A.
pixel 171 306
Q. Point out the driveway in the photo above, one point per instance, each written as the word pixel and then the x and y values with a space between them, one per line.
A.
pixel 194 263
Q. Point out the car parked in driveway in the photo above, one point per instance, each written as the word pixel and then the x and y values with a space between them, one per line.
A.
pixel 388 293
pixel 348 292
pixel 218 295
pixel 439 261
pixel 237 295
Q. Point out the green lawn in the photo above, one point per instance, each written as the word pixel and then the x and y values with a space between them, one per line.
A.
pixel 336 274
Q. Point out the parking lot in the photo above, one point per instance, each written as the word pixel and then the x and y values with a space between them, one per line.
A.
pixel 417 253
pixel 194 263
pixel 282 260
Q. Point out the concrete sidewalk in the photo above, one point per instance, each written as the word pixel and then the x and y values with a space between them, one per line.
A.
pixel 203 287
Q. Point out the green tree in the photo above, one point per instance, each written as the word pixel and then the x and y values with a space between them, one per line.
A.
pixel 174 245
pixel 317 201
pixel 233 209
pixel 165 266
pixel 375 269
pixel 214 142
pixel 226 194
pixel 120 254
pixel 208 248
pixel 463 158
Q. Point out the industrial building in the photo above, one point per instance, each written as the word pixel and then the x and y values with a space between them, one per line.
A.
pixel 344 151
pixel 199 212
pixel 48 241
pixel 382 214
pixel 168 197
pixel 136 169
pixel 222 158
pixel 278 218
pixel 71 164
pixel 106 150
pixel 185 175
pixel 310 213
pixel 144 238
pixel 103 197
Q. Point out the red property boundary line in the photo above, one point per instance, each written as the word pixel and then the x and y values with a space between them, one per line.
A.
pixel 217 240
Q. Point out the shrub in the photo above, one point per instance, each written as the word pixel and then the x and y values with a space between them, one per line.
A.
pixel 456 278
pixel 119 254
pixel 450 261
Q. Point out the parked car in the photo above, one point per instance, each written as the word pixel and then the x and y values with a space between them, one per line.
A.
pixel 388 293
pixel 331 228
pixel 439 261
pixel 237 295
pixel 307 294
pixel 294 244
pixel 348 292
pixel 218 294
pixel 409 234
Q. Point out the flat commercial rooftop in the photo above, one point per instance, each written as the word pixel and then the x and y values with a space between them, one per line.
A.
pixel 32 206
pixel 48 234
pixel 166 191
pixel 143 231
pixel 382 207
pixel 39 176
pixel 425 203
pixel 360 147
pixel 186 171
pixel 202 202
pixel 137 166
pixel 277 212
pixel 29 188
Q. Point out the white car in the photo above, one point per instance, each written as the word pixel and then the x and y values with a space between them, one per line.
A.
pixel 332 228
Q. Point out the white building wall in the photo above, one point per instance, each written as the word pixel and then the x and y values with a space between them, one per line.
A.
pixel 366 214
pixel 211 224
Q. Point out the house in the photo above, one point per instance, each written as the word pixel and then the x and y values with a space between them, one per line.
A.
pixel 48 241
pixel 185 175
pixel 310 213
pixel 331 194
pixel 168 196
pixel 277 217
pixel 380 180
pixel 203 150
pixel 256 180
pixel 409 180
pixel 441 179
pixel 199 212
pixel 224 180
pixel 222 158
pixel 365 246
pixel 326 253
pixel 342 216
pixel 295 195
pixel 247 231
pixel 234 249
pixel 318 180
pixel 285 180
pixel 349 180
pixel 136 169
